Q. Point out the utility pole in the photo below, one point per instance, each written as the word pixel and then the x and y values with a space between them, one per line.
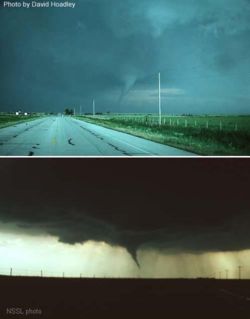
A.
pixel 240 268
pixel 159 99
pixel 226 273
pixel 93 107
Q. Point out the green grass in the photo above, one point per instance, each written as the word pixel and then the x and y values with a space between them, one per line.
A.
pixel 7 119
pixel 204 135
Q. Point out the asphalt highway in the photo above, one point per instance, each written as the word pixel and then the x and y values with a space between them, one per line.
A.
pixel 66 136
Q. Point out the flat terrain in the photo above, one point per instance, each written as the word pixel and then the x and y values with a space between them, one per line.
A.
pixel 204 135
pixel 125 298
pixel 66 136
pixel 12 119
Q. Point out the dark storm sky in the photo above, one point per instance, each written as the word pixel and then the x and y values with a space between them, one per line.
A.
pixel 113 49
pixel 184 205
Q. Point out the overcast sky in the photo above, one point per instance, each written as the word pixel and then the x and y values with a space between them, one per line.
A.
pixel 112 50
pixel 125 209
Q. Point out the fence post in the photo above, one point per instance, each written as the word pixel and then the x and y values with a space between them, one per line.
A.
pixel 10 271
pixel 226 273
pixel 220 125
pixel 186 124
pixel 240 268
pixel 195 123
pixel 236 127
pixel 207 124
pixel 41 273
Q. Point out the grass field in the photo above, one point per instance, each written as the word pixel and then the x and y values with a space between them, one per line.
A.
pixel 204 135
pixel 7 119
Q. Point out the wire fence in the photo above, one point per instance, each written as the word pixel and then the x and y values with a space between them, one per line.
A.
pixel 219 123
pixel 22 272
pixel 240 272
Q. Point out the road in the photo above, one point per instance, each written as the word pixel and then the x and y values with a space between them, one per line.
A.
pixel 66 136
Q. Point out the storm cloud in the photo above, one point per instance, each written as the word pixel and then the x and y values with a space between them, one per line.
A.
pixel 112 50
pixel 192 206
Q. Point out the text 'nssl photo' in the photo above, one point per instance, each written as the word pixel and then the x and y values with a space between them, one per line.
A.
pixel 151 238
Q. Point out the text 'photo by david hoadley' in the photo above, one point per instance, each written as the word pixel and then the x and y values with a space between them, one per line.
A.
pixel 122 78
pixel 125 159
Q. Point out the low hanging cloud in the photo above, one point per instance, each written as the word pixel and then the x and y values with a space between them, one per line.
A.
pixel 180 206
pixel 56 58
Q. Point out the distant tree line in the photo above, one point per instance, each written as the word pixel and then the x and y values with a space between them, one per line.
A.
pixel 69 111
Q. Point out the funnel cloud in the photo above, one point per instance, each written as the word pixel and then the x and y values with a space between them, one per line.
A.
pixel 112 50
pixel 179 206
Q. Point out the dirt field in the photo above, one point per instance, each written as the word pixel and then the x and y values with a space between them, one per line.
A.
pixel 123 298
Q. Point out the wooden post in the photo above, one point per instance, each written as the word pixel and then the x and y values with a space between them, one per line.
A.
pixel 240 267
pixel 220 126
